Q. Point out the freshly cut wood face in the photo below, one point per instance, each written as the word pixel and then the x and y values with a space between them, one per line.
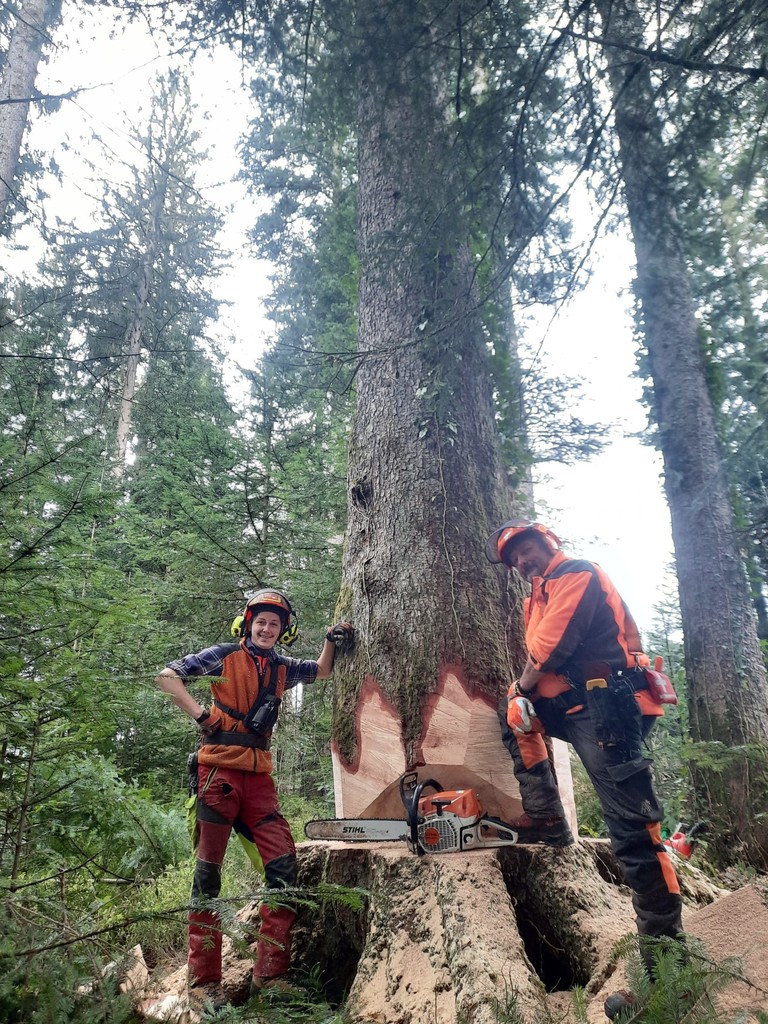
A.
pixel 460 747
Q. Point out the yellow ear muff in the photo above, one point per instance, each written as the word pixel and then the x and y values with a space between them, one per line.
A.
pixel 290 636
pixel 236 629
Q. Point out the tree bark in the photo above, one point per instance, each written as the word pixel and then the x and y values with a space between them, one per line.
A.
pixel 438 633
pixel 21 826
pixel 727 686
pixel 16 84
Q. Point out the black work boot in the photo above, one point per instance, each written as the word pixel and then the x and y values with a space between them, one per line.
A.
pixel 208 998
pixel 281 985
pixel 618 1001
pixel 550 831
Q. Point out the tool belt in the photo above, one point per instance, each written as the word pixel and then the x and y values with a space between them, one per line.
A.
pixel 239 739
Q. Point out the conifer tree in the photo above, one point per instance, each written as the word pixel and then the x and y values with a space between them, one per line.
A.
pixel 727 683
pixel 28 35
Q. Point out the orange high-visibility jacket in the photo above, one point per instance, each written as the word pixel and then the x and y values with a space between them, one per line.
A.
pixel 575 622
pixel 243 676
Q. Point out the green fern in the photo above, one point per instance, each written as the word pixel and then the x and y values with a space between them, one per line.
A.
pixel 686 981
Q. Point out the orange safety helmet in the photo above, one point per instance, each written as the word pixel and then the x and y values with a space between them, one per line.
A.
pixel 511 530
pixel 273 601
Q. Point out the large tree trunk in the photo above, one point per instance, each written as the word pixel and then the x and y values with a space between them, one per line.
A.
pixel 463 937
pixel 16 84
pixel 487 936
pixel 435 623
pixel 727 686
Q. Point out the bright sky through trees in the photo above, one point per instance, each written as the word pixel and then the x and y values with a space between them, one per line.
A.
pixel 611 509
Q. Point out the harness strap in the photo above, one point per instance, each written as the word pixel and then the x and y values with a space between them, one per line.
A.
pixel 275 686
pixel 229 711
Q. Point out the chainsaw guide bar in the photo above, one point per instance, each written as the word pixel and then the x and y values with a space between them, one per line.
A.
pixel 358 830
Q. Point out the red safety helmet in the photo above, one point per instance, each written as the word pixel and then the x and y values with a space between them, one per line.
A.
pixel 511 530
pixel 273 601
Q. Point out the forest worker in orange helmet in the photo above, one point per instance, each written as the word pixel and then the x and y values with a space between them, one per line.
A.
pixel 234 781
pixel 583 682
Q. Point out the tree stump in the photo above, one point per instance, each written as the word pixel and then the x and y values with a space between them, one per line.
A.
pixel 455 937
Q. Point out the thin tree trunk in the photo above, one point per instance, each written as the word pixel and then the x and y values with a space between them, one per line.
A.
pixel 134 333
pixel 132 347
pixel 727 686
pixel 16 84
pixel 25 802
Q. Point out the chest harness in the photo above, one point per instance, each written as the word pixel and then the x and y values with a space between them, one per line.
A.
pixel 260 718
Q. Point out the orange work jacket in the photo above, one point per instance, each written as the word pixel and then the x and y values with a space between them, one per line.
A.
pixel 237 688
pixel 575 620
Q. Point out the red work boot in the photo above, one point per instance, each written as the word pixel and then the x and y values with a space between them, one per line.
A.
pixel 550 831
pixel 618 1001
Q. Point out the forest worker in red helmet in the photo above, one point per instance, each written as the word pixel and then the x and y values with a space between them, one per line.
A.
pixel 583 682
pixel 234 781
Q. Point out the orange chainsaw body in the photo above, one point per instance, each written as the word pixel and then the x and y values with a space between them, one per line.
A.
pixel 455 820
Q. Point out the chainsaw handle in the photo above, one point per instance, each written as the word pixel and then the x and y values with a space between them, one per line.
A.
pixel 411 804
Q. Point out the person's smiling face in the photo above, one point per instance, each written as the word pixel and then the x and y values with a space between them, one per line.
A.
pixel 265 629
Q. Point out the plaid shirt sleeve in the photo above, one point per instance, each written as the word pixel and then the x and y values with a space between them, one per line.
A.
pixel 298 671
pixel 207 662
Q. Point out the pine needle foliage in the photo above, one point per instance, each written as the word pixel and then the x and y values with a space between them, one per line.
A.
pixel 686 981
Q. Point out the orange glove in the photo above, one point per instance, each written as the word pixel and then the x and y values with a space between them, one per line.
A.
pixel 521 714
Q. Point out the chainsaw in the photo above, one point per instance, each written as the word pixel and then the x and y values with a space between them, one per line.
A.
pixel 445 821
pixel 684 839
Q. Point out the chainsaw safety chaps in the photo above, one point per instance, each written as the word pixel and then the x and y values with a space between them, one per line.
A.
pixel 204 957
pixel 273 950
pixel 246 801
pixel 538 787
pixel 624 784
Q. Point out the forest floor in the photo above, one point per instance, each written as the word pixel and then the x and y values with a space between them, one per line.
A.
pixel 486 938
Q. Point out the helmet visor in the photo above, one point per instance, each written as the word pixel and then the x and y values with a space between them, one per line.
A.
pixel 497 546
pixel 499 539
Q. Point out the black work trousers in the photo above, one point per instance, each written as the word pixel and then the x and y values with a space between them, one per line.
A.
pixel 624 784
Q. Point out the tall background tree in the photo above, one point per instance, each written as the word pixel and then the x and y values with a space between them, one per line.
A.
pixel 28 31
pixel 419 159
pixel 727 684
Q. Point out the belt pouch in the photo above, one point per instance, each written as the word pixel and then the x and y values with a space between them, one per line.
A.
pixel 605 714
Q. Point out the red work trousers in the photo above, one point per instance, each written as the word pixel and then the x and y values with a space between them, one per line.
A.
pixel 247 802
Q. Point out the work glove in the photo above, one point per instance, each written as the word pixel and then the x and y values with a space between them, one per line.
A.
pixel 342 635
pixel 209 722
pixel 520 714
